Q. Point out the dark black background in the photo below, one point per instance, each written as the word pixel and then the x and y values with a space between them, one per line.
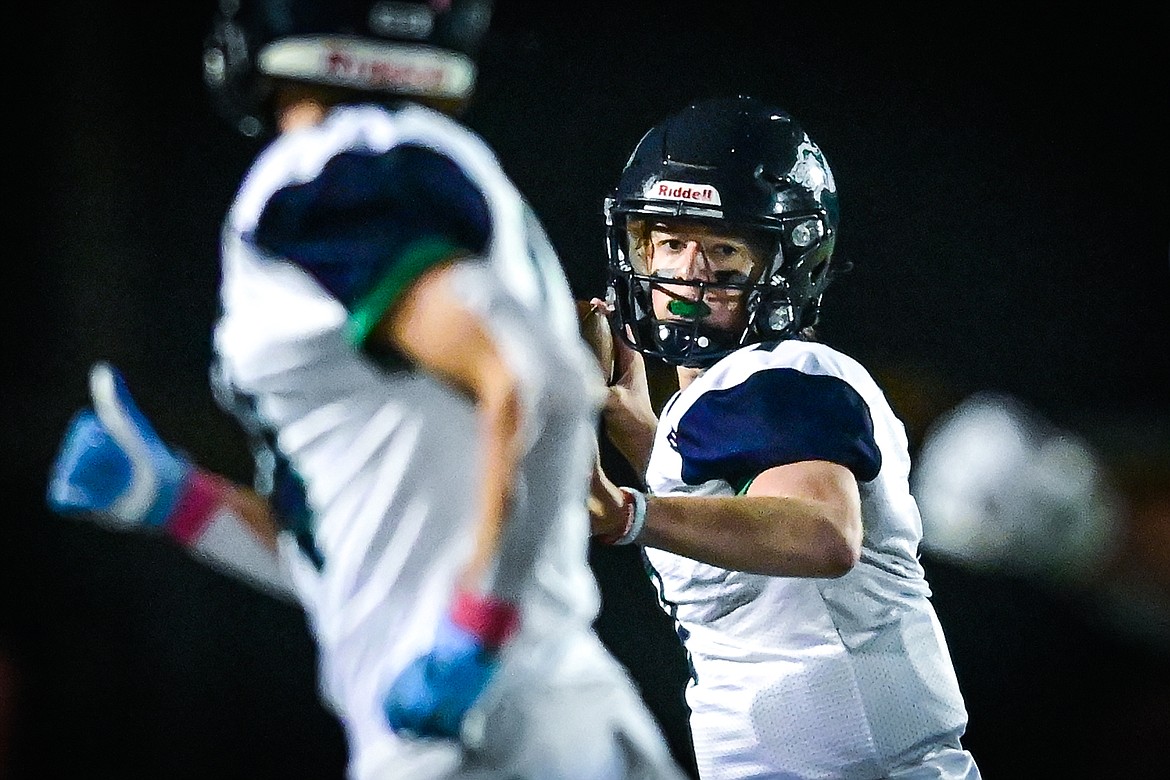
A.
pixel 1003 180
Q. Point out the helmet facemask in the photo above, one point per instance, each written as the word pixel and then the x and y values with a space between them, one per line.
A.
pixel 686 336
pixel 684 317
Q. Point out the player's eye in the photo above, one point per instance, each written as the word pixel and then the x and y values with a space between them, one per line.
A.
pixel 730 277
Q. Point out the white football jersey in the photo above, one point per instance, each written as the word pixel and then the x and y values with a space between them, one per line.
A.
pixel 374 464
pixel 798 677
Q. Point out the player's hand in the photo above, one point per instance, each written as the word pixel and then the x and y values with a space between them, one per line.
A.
pixel 112 464
pixel 593 323
pixel 433 694
pixel 607 513
pixel 628 415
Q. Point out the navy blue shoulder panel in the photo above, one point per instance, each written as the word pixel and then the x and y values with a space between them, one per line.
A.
pixel 352 223
pixel 776 416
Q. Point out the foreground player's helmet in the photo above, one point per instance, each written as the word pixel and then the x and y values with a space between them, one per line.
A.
pixel 747 166
pixel 406 49
pixel 1002 488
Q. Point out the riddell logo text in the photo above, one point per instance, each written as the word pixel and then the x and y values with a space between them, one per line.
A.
pixel 677 190
pixel 382 72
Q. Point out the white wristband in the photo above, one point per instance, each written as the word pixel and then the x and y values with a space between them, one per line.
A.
pixel 636 519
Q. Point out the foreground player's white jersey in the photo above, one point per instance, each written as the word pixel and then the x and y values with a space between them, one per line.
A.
pixel 372 463
pixel 802 678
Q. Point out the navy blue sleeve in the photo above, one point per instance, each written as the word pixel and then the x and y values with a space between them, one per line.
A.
pixel 775 417
pixel 368 216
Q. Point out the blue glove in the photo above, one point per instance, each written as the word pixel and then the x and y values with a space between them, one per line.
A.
pixel 435 691
pixel 112 464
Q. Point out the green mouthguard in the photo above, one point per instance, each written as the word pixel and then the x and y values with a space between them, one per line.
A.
pixel 692 309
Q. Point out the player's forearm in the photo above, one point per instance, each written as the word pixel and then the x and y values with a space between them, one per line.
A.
pixel 232 529
pixel 500 420
pixel 255 513
pixel 631 428
pixel 761 534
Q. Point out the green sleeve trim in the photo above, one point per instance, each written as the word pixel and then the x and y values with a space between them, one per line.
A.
pixel 416 258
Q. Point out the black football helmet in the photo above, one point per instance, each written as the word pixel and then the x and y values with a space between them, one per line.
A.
pixel 420 49
pixel 747 166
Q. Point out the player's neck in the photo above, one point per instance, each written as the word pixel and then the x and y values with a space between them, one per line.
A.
pixel 300 105
pixel 298 115
pixel 687 375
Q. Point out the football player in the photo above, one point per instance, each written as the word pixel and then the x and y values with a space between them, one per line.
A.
pixel 399 339
pixel 778 521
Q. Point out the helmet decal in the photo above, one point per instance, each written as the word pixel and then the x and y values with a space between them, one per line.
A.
pixel 810 170
pixel 370 65
pixel 680 190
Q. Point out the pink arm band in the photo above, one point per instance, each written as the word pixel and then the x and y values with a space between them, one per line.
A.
pixel 202 496
pixel 493 620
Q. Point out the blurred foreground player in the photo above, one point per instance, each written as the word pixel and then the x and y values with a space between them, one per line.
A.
pixel 398 337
